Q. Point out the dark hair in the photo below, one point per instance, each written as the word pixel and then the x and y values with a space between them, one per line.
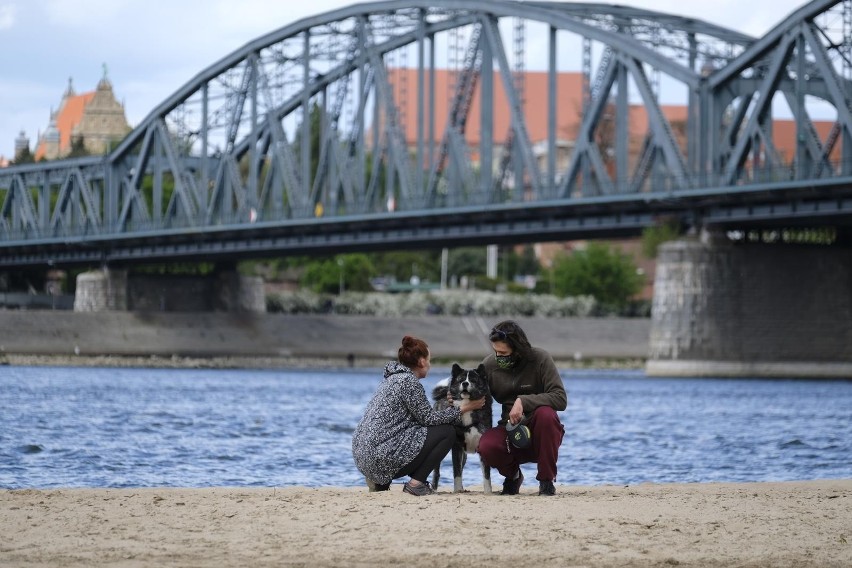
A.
pixel 411 350
pixel 511 333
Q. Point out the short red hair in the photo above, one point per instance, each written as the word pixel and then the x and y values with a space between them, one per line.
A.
pixel 411 351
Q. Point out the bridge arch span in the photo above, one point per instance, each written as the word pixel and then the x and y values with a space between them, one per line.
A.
pixel 384 115
pixel 230 111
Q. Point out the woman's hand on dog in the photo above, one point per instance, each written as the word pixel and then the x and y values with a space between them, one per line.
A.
pixel 470 405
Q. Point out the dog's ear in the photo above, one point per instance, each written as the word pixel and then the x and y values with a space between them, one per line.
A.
pixel 481 370
pixel 456 369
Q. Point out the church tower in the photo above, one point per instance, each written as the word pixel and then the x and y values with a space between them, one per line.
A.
pixel 50 141
pixel 103 123
pixel 22 142
pixel 96 118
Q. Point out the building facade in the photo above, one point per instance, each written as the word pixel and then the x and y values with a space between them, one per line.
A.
pixel 94 121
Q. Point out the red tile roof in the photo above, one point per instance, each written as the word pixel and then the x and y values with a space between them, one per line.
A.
pixel 69 117
pixel 569 108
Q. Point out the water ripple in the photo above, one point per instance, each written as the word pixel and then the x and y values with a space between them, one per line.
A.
pixel 78 427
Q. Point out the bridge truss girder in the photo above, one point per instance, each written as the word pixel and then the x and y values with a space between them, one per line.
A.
pixel 303 132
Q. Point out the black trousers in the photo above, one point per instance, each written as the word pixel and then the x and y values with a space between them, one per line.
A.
pixel 439 441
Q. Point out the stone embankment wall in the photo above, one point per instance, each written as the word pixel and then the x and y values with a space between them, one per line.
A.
pixel 327 336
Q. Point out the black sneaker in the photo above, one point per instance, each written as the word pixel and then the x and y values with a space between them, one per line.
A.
pixel 546 488
pixel 418 490
pixel 513 486
pixel 373 486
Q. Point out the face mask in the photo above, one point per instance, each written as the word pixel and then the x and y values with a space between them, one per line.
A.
pixel 506 361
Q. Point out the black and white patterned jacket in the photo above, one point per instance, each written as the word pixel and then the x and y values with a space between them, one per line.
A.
pixel 393 429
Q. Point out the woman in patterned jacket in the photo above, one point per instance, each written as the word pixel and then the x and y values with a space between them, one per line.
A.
pixel 400 433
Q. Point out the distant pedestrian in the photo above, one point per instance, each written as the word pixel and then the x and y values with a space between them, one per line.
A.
pixel 401 434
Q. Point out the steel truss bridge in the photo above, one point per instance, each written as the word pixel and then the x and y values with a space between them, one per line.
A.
pixel 296 143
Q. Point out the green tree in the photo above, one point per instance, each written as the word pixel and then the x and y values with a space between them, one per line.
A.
pixel 528 263
pixel 654 236
pixel 402 265
pixel 353 271
pixel 600 271
pixel 467 261
pixel 24 156
pixel 78 147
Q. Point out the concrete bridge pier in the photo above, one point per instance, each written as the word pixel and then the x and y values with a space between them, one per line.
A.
pixel 226 290
pixel 102 290
pixel 751 310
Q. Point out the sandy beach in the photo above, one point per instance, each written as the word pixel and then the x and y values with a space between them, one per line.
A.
pixel 701 525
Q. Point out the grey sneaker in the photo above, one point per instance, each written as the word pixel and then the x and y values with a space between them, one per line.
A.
pixel 546 488
pixel 418 490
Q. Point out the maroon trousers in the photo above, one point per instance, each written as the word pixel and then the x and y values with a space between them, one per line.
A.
pixel 547 433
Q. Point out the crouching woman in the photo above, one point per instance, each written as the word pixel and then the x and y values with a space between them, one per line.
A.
pixel 401 434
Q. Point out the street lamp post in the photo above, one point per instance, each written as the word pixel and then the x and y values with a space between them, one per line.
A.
pixel 340 264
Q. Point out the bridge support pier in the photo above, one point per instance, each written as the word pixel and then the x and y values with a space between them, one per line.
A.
pixel 751 310
pixel 117 290
pixel 101 291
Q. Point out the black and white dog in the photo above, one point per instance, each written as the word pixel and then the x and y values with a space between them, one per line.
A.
pixel 465 384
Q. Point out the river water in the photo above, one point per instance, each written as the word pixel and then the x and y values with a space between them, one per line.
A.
pixel 104 427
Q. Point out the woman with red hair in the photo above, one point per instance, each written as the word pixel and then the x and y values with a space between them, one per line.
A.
pixel 401 434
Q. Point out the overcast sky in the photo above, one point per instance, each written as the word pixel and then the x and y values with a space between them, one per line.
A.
pixel 153 47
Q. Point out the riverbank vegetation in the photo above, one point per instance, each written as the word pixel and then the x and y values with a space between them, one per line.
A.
pixel 597 280
pixel 448 302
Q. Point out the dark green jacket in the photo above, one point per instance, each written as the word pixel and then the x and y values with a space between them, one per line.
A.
pixel 534 379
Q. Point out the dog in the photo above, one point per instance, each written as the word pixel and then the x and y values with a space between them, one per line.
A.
pixel 465 384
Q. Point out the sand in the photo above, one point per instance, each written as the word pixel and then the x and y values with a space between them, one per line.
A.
pixel 702 525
